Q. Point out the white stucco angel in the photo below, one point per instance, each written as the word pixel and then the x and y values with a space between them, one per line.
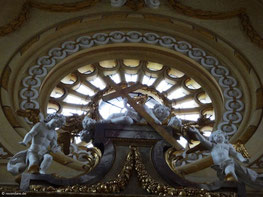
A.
pixel 87 133
pixel 226 159
pixel 43 138
pixel 159 113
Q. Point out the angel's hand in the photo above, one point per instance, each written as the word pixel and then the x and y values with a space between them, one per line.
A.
pixel 22 143
pixel 158 121
pixel 246 161
pixel 194 130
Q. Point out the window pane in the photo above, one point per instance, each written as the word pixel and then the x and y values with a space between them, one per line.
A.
pixel 85 90
pixel 97 82
pixel 57 92
pixel 186 104
pixel 131 78
pixel 69 79
pixel 154 66
pixel 131 63
pixel 148 80
pixel 86 69
pixel 116 78
pixel 163 86
pixel 178 93
pixel 108 64
pixel 74 99
pixel 192 84
pixel 175 73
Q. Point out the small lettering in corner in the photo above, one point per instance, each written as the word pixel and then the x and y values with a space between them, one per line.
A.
pixel 13 193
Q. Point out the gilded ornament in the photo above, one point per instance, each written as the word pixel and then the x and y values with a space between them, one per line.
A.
pixel 133 161
pixel 241 149
pixel 31 114
pixel 182 193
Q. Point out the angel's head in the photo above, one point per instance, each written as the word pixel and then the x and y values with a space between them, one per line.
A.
pixel 161 112
pixel 218 136
pixel 88 123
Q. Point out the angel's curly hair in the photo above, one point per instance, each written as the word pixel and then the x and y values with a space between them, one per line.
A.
pixel 51 116
pixel 88 123
pixel 167 109
pixel 211 137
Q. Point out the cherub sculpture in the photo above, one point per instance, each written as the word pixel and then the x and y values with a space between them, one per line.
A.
pixel 159 113
pixel 87 133
pixel 42 136
pixel 226 158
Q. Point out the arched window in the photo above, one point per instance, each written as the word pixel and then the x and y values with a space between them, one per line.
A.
pixel 81 91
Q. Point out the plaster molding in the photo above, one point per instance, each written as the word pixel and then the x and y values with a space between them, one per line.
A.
pixel 233 103
pixel 23 16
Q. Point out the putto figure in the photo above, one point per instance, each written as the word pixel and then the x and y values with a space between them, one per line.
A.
pixel 88 125
pixel 159 113
pixel 226 158
pixel 42 136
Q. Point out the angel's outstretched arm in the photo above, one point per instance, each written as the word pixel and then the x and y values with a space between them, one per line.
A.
pixel 201 138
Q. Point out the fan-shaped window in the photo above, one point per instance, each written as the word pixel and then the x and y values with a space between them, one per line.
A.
pixel 82 90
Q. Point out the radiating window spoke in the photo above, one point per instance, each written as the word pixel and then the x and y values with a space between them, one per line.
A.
pixel 187 98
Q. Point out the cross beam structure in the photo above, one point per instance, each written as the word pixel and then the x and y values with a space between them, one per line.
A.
pixel 138 108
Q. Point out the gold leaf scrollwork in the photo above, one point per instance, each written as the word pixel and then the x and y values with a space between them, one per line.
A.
pixel 241 149
pixel 16 23
pixel 112 186
pixel 171 157
pixel 23 16
pixel 31 114
pixel 154 187
pixel 133 161
pixel 147 182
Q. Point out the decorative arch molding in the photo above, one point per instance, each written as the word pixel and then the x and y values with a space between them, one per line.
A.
pixel 24 14
pixel 233 104
pixel 70 48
